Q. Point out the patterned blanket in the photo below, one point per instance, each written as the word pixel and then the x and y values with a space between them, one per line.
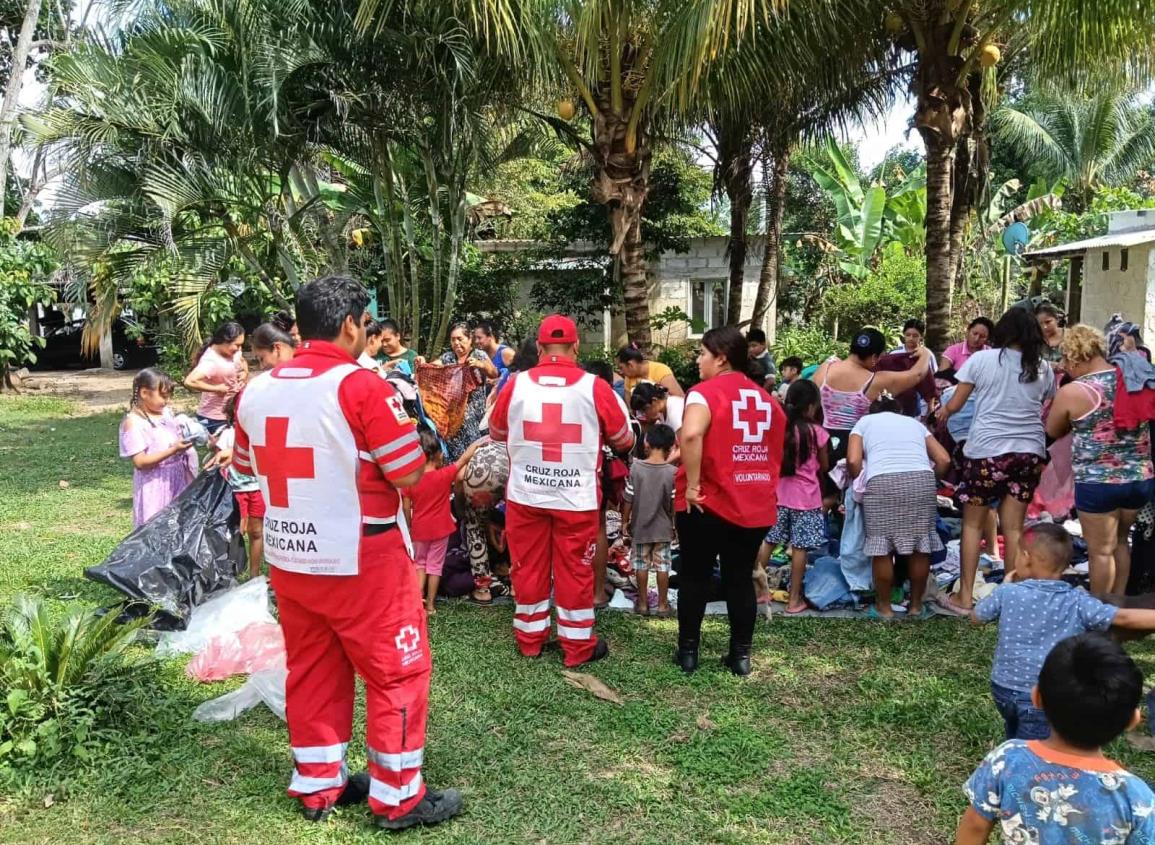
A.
pixel 445 394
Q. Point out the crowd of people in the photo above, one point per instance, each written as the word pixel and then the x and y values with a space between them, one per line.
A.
pixel 559 483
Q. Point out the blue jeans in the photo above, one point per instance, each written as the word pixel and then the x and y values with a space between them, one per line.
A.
pixel 1023 720
pixel 213 426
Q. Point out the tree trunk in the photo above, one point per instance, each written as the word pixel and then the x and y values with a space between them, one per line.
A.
pixel 11 103
pixel 621 183
pixel 635 286
pixel 960 206
pixel 736 165
pixel 940 267
pixel 942 116
pixel 774 180
pixel 106 350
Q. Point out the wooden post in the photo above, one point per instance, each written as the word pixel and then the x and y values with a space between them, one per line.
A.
pixel 1006 300
pixel 1075 290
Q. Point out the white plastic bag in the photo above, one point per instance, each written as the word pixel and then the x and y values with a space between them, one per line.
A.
pixel 266 686
pixel 226 613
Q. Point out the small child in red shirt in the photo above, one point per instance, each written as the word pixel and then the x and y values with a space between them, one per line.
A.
pixel 429 515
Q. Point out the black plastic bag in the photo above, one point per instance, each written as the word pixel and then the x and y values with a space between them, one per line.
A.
pixel 188 551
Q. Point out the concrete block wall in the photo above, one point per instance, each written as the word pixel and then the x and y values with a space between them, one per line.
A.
pixel 1130 292
pixel 671 278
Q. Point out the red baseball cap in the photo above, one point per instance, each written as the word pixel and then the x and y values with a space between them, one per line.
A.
pixel 557 329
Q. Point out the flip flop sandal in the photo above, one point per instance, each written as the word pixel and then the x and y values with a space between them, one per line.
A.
pixel 481 602
pixel 790 612
pixel 922 615
pixel 874 615
pixel 952 607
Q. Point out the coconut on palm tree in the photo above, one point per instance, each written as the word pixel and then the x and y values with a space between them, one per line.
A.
pixel 956 48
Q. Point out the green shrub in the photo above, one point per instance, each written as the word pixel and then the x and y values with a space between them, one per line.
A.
pixel 810 343
pixel 65 681
pixel 683 360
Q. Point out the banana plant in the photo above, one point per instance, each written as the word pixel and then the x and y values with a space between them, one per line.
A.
pixel 867 217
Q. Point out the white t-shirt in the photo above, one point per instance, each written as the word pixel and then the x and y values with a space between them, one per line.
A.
pixel 675 410
pixel 1008 412
pixel 892 443
pixel 371 363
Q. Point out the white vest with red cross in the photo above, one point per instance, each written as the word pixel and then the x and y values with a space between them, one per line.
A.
pixel 305 458
pixel 554 443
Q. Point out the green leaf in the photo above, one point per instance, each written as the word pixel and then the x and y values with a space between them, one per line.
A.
pixel 16 700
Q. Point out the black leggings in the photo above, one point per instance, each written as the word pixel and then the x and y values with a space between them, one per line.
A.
pixel 703 538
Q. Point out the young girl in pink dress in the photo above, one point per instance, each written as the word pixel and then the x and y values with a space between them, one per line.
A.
pixel 164 462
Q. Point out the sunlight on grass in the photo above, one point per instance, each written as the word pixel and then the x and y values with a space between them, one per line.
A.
pixel 848 732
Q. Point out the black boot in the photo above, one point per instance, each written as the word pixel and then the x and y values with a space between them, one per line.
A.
pixel 687 657
pixel 738 660
pixel 355 792
pixel 434 808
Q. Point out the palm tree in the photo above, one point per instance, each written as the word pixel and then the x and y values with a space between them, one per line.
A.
pixel 1086 141
pixel 180 160
pixel 956 47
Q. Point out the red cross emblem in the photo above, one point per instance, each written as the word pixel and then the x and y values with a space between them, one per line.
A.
pixel 552 433
pixel 407 639
pixel 751 415
pixel 279 462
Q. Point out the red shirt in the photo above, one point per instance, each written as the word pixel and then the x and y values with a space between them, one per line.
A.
pixel 741 451
pixel 432 515
pixel 386 438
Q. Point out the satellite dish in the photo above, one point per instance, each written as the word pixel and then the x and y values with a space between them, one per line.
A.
pixel 1016 237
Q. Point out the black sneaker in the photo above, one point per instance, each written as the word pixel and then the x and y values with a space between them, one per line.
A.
pixel 602 649
pixel 355 792
pixel 434 808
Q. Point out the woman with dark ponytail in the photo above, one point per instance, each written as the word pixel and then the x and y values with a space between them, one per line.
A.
pixel 1005 454
pixel 726 496
pixel 805 459
pixel 219 374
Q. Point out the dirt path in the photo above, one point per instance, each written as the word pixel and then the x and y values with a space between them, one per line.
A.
pixel 95 390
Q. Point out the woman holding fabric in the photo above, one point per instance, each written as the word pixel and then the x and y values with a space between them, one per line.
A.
pixel 848 387
pixel 732 437
pixel 1114 478
pixel 461 351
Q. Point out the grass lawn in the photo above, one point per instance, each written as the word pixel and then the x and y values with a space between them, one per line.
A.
pixel 847 732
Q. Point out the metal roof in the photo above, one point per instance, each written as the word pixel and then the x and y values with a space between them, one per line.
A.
pixel 1111 241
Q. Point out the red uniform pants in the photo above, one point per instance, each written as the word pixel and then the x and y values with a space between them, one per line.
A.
pixel 553 546
pixel 373 624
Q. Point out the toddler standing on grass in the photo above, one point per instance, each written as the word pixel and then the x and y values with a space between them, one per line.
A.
pixel 648 516
pixel 1035 612
pixel 805 458
pixel 429 514
pixel 1062 789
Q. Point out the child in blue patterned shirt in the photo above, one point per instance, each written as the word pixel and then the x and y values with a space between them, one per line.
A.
pixel 1062 789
